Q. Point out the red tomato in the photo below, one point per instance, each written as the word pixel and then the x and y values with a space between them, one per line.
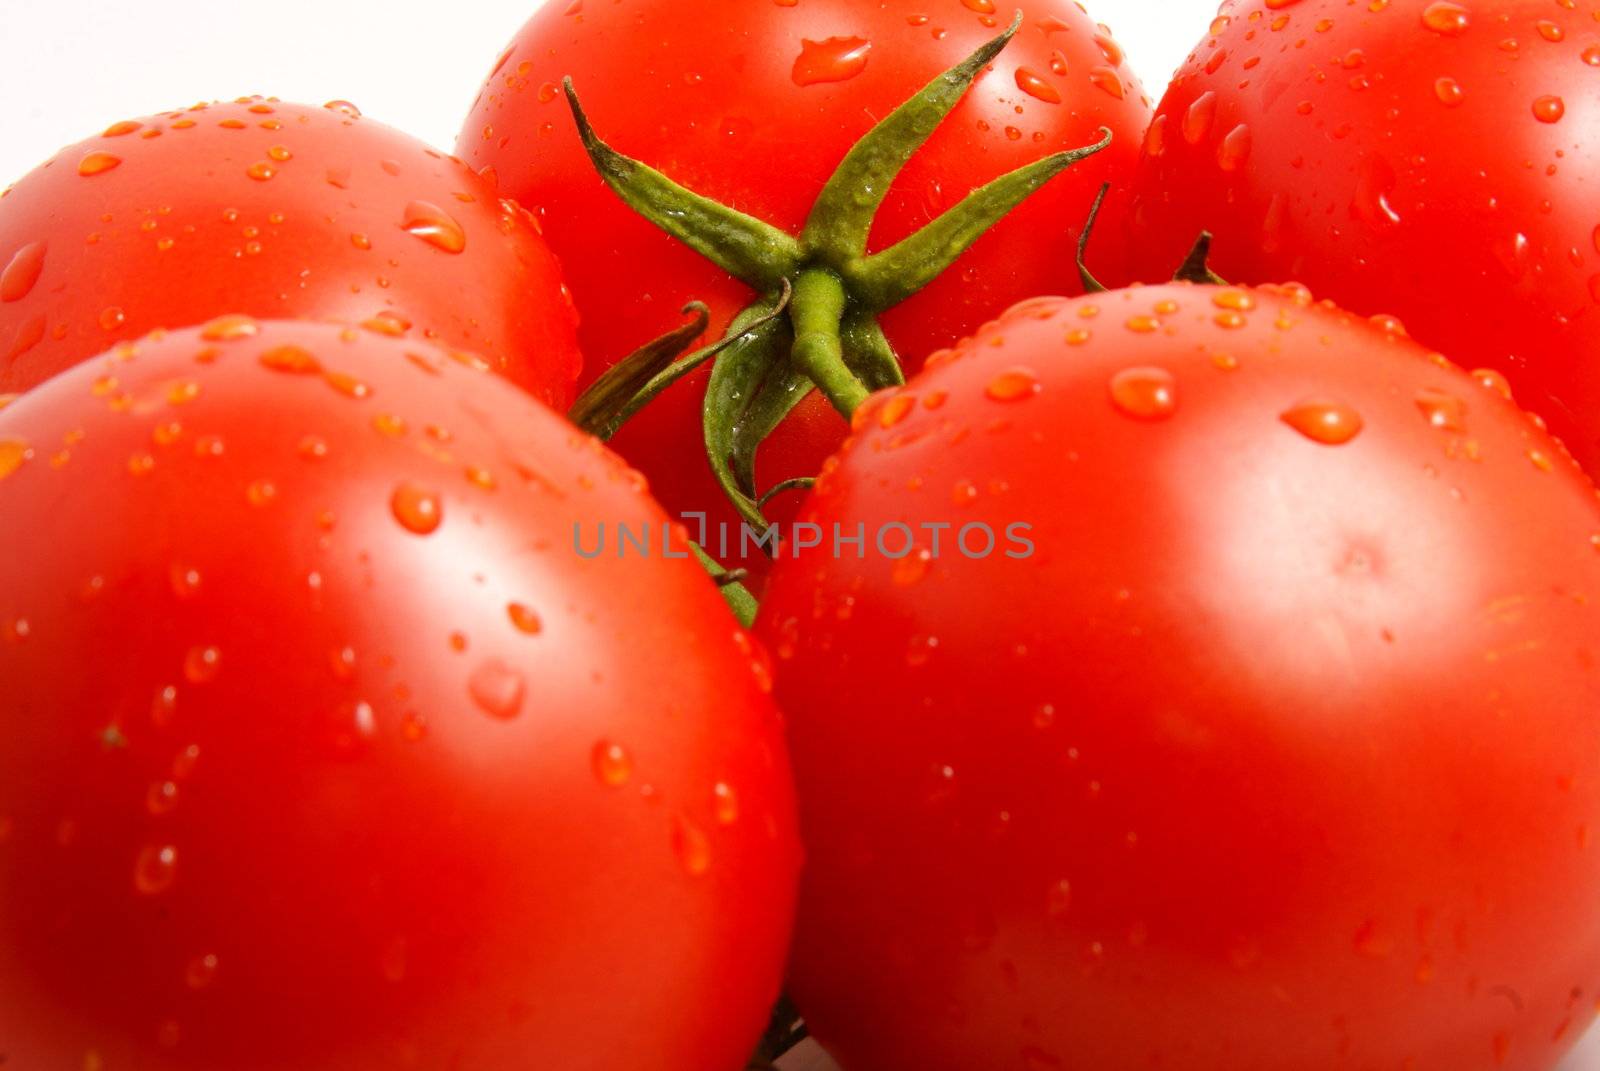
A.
pixel 1278 751
pixel 325 750
pixel 754 104
pixel 277 210
pixel 1415 157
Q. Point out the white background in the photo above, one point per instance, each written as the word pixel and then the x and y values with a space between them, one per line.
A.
pixel 69 69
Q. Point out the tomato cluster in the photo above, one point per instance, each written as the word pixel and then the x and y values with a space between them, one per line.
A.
pixel 955 661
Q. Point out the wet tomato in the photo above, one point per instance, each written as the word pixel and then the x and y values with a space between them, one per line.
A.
pixel 325 750
pixel 754 104
pixel 1274 748
pixel 276 210
pixel 1423 158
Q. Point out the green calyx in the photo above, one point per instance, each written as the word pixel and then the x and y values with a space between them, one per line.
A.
pixel 815 326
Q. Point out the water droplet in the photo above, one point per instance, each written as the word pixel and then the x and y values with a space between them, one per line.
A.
pixel 156 869
pixel 1328 423
pixel 1449 92
pixel 417 508
pixel 1375 182
pixel 201 972
pixel 13 453
pixel 183 392
pixel 1591 55
pixel 692 847
pixel 112 318
pixel 185 580
pixel 22 272
pixel 1541 460
pixel 343 107
pixel 161 798
pixel 911 568
pixel 1235 149
pixel 1198 118
pixel 613 766
pixel 1489 379
pixel 1013 385
pixel 1058 902
pixel 524 619
pixel 838 59
pixel 260 493
pixel 1445 18
pixel 1037 86
pixel 1551 31
pixel 261 171
pixel 290 359
pixel 1145 393
pixel 435 226
pixel 98 163
pixel 1549 109
pixel 497 688
pixel 122 129
pixel 230 329
pixel 202 664
pixel 1155 139
pixel 1108 81
pixel 1441 410
pixel 725 803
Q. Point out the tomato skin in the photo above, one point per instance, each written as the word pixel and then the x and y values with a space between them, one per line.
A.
pixel 1396 168
pixel 1273 755
pixel 395 820
pixel 705 91
pixel 276 210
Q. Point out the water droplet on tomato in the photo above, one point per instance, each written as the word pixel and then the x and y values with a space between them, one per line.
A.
pixel 343 107
pixel 1058 902
pixel 230 329
pixel 725 803
pixel 261 171
pixel 1449 92
pixel 13 453
pixel 433 225
pixel 1235 149
pixel 1551 31
pixel 1591 55
pixel 1446 18
pixel 1442 410
pixel 1549 109
pixel 497 688
pixel 1145 393
pixel 290 359
pixel 1375 183
pixel 417 508
pixel 122 129
pixel 613 766
pixel 22 272
pixel 1107 81
pixel 1198 118
pixel 1013 385
pixel 1155 139
pixel 1328 423
pixel 155 869
pixel 98 163
pixel 692 847
pixel 837 59
pixel 201 972
pixel 1037 86
pixel 524 619
pixel 1489 379
pixel 202 664
pixel 161 798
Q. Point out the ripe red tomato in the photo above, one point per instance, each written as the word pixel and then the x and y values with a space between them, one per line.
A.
pixel 325 750
pixel 754 105
pixel 1415 157
pixel 277 210
pixel 1279 750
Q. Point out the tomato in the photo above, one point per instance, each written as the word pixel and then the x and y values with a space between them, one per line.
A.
pixel 325 749
pixel 754 105
pixel 1415 157
pixel 277 210
pixel 1270 743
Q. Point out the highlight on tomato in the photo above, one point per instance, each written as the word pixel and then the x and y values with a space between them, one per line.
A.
pixel 1271 742
pixel 325 748
pixel 277 210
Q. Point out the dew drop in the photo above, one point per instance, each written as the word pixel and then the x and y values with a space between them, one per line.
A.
pixel 1449 92
pixel 1145 393
pixel 524 619
pixel 201 972
pixel 161 798
pixel 725 803
pixel 1442 410
pixel 230 329
pixel 1107 81
pixel 692 848
pixel 98 163
pixel 837 59
pixel 497 688
pixel 1446 18
pixel 434 225
pixel 1013 385
pixel 290 359
pixel 22 272
pixel 1549 109
pixel 417 508
pixel 202 664
pixel 1489 379
pixel 613 766
pixel 1037 86
pixel 343 107
pixel 1235 149
pixel 1328 423
pixel 13 454
pixel 155 870
pixel 261 171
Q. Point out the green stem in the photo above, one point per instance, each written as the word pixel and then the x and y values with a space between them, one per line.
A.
pixel 736 595
pixel 817 312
